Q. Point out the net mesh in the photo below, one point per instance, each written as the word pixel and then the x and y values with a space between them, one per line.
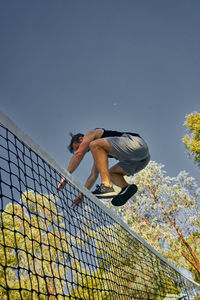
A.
pixel 49 250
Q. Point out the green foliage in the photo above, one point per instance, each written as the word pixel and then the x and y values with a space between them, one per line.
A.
pixel 192 139
pixel 34 249
pixel 30 249
pixel 166 213
pixel 130 270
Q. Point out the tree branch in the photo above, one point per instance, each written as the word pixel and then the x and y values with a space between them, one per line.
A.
pixel 196 262
pixel 190 261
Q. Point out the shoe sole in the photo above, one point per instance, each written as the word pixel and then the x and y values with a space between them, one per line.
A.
pixel 106 196
pixel 121 199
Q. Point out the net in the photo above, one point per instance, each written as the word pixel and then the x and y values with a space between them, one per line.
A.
pixel 49 250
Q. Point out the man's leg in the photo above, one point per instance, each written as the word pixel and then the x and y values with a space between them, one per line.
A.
pixel 128 190
pixel 100 150
pixel 117 176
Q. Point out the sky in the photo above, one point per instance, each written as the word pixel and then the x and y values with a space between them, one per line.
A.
pixel 127 65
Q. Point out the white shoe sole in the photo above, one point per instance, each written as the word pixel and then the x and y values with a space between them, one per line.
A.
pixel 106 195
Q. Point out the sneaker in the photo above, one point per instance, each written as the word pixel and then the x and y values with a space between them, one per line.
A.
pixel 126 193
pixel 103 191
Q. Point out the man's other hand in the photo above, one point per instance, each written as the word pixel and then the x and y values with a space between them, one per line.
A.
pixel 61 184
pixel 78 201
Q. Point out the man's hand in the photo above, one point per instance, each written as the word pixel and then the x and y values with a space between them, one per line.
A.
pixel 78 201
pixel 61 184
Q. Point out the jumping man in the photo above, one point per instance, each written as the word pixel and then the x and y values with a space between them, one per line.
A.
pixel 128 148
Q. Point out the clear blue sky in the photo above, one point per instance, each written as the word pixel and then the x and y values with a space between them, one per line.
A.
pixel 126 65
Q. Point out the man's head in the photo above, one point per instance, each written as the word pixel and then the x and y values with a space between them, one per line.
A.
pixel 76 140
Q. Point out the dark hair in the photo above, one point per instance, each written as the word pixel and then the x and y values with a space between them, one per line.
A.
pixel 74 139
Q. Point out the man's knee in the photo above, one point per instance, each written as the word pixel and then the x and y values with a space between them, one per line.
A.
pixel 98 144
pixel 101 144
pixel 116 169
pixel 93 145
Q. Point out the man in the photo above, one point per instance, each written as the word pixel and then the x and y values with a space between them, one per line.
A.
pixel 128 148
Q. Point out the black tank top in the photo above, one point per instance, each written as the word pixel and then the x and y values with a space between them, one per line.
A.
pixel 112 133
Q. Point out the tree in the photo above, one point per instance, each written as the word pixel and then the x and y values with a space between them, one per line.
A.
pixel 45 254
pixel 192 139
pixel 32 260
pixel 166 213
pixel 125 268
pixel 40 258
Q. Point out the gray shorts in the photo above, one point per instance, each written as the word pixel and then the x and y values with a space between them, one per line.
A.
pixel 131 151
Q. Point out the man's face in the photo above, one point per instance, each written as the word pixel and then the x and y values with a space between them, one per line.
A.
pixel 76 145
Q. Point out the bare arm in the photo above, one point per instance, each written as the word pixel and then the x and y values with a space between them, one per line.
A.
pixel 78 156
pixel 89 183
pixel 92 178
pixel 82 150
